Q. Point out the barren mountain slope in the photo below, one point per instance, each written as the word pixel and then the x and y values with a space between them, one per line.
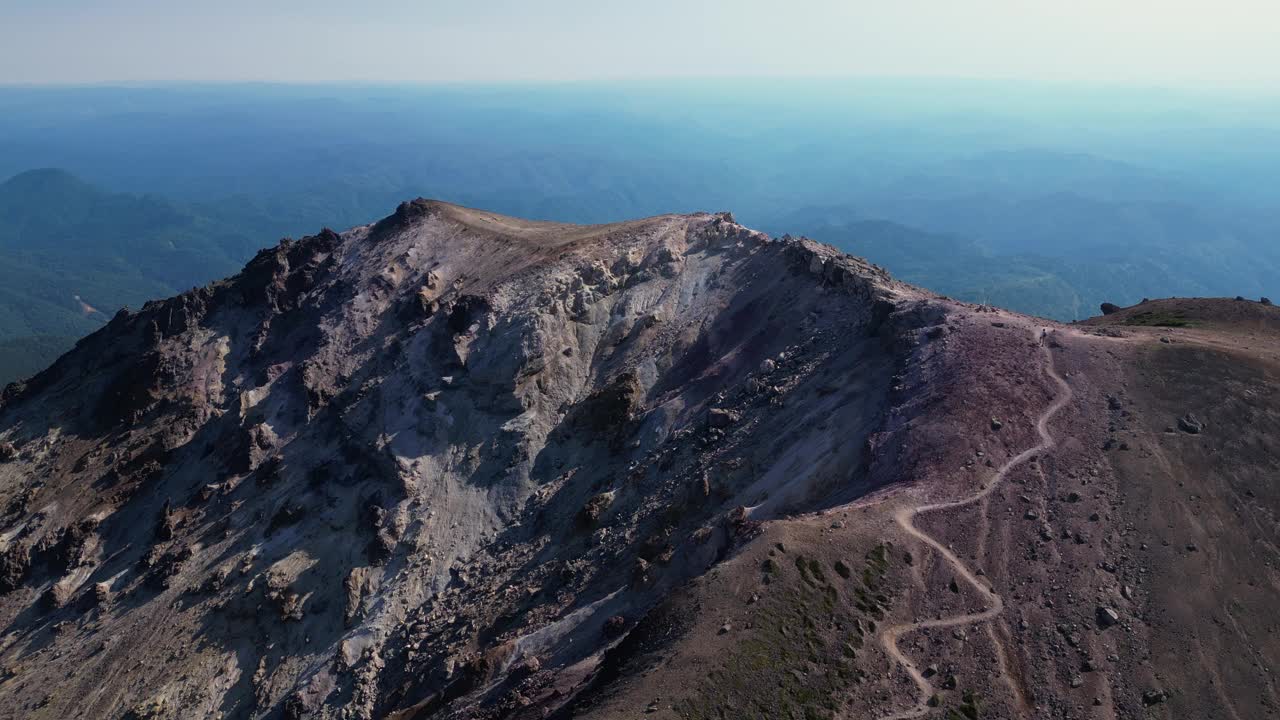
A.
pixel 459 465
pixel 419 463
pixel 1126 567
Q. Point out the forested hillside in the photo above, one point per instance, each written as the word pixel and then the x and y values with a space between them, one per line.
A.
pixel 72 254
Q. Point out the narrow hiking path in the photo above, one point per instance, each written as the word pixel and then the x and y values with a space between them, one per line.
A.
pixel 904 518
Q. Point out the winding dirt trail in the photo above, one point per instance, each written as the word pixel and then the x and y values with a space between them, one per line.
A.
pixel 905 517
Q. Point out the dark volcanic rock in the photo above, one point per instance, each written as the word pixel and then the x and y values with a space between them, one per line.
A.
pixel 15 566
pixel 1190 424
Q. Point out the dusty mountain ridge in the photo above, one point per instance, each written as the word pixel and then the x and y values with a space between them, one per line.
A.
pixel 372 464
pixel 454 464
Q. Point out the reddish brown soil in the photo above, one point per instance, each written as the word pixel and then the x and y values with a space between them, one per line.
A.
pixel 1175 533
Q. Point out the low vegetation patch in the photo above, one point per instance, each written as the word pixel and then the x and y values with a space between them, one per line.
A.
pixel 1155 318
pixel 968 709
pixel 798 658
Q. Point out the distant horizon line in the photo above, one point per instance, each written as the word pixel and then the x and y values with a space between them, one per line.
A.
pixel 1268 93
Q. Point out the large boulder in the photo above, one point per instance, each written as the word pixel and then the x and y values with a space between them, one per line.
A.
pixel 1190 424
pixel 1107 617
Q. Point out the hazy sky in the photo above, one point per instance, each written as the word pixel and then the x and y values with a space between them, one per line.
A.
pixel 1199 43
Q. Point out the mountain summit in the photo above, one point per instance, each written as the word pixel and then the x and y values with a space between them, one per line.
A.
pixel 455 464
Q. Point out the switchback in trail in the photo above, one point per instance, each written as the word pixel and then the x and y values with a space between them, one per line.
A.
pixel 905 518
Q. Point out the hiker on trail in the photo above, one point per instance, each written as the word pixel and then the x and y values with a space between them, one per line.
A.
pixel 1044 333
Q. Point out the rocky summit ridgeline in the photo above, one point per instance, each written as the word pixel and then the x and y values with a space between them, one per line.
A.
pixel 459 465
pixel 422 462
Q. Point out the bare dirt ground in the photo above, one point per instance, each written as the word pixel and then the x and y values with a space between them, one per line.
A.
pixel 905 517
pixel 1106 565
pixel 1204 507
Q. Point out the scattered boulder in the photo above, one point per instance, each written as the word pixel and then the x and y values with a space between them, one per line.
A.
pixel 590 514
pixel 1265 301
pixel 290 604
pixel 720 418
pixel 608 410
pixel 165 566
pixel 423 304
pixel 615 626
pixel 1107 617
pixel 1153 697
pixel 57 596
pixel 1190 424
pixel 8 452
pixel 70 547
pixel 996 424
pixel 1110 308
pixel 530 666
pixel 287 600
pixel 102 594
pixel 148 710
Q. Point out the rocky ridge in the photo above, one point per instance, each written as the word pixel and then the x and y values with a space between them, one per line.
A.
pixel 460 465
pixel 438 462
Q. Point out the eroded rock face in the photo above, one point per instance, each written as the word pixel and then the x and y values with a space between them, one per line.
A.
pixel 429 465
